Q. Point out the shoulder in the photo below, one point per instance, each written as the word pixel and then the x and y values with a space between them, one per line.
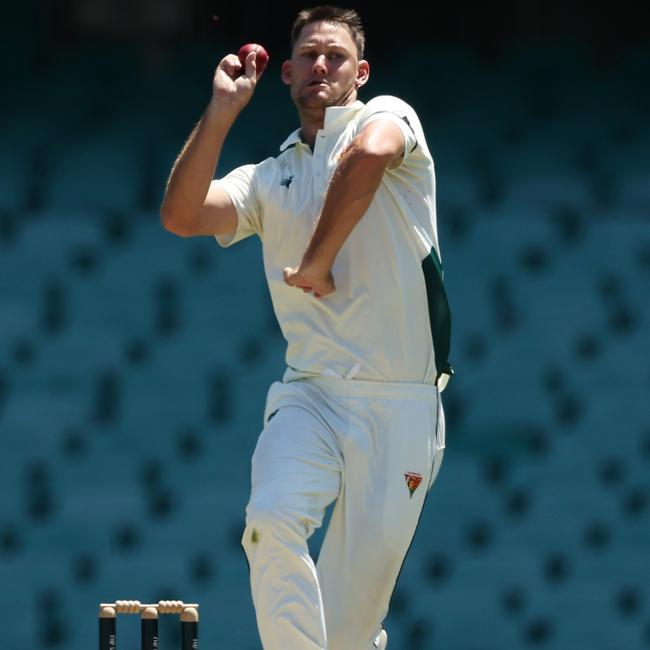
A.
pixel 391 107
pixel 268 165
pixel 389 104
pixel 252 171
pixel 249 182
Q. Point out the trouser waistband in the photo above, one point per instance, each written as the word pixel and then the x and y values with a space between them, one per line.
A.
pixel 363 388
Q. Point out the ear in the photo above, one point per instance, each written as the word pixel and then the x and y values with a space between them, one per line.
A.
pixel 285 73
pixel 363 73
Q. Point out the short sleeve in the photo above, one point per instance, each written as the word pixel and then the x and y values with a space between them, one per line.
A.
pixel 397 111
pixel 241 187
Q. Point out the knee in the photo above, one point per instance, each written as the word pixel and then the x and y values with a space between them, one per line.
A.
pixel 277 518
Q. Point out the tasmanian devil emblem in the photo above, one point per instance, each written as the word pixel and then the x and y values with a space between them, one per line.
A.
pixel 413 480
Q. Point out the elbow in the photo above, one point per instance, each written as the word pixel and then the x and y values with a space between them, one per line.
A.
pixel 380 152
pixel 173 222
pixel 373 152
pixel 378 146
pixel 368 164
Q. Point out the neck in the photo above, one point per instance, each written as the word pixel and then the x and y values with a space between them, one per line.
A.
pixel 313 118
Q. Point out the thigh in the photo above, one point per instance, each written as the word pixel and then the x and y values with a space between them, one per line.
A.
pixel 390 457
pixel 296 467
pixel 440 443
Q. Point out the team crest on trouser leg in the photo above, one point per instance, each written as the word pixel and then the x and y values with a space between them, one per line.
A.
pixel 413 480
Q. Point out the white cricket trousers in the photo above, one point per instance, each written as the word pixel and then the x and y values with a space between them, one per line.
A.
pixel 376 448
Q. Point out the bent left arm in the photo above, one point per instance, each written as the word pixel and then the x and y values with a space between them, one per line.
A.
pixel 379 146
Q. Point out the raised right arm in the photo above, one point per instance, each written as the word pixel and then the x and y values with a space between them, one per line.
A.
pixel 195 204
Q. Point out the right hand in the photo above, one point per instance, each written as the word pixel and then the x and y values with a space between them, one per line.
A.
pixel 233 86
pixel 310 279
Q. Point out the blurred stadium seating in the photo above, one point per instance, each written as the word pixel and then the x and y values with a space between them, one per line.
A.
pixel 134 364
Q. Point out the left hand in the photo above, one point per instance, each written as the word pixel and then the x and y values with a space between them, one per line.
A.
pixel 310 279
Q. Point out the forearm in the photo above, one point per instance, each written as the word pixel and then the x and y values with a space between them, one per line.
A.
pixel 349 195
pixel 195 166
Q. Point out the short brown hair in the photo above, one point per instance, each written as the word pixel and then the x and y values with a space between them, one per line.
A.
pixel 329 14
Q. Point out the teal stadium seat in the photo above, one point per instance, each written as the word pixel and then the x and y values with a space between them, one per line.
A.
pixel 98 173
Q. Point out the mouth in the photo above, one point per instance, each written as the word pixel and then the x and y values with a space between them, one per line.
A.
pixel 317 82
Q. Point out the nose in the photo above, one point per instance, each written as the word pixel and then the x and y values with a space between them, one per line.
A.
pixel 320 64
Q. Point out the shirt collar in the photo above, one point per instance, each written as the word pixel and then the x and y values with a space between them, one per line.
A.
pixel 335 118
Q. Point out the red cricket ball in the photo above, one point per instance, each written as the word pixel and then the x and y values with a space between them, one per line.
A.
pixel 261 56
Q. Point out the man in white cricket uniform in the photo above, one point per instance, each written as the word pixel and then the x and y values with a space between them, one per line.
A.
pixel 346 215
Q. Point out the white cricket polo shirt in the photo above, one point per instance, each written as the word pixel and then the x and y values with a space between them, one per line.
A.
pixel 389 297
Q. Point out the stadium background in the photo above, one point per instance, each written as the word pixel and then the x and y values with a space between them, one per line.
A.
pixel 134 364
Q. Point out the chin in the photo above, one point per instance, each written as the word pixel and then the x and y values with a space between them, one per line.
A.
pixel 314 101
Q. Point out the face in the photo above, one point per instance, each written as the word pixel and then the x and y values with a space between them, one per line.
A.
pixel 324 69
